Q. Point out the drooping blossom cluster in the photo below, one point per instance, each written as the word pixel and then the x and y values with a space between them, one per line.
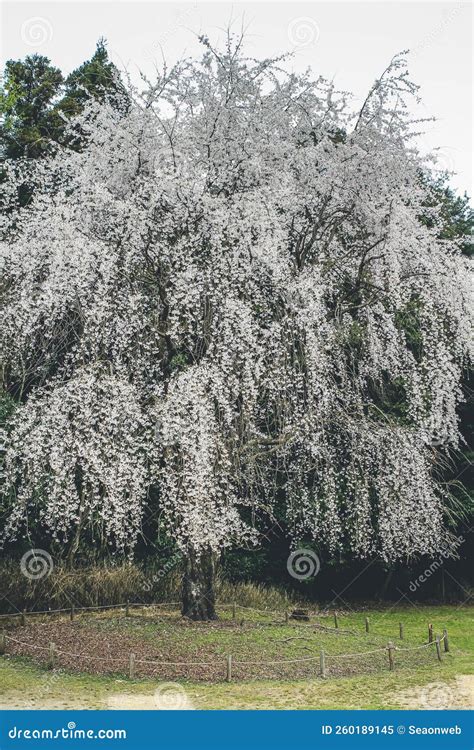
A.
pixel 228 302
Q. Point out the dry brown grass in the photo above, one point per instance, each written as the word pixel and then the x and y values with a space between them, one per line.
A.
pixel 115 584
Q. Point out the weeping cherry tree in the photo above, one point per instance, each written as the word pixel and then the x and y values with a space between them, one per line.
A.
pixel 229 301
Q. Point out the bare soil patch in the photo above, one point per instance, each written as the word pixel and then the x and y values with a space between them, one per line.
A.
pixel 442 696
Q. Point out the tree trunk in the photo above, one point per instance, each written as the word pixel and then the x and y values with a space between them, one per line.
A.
pixel 75 543
pixel 386 584
pixel 198 596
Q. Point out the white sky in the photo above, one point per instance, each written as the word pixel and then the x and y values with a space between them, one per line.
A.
pixel 351 42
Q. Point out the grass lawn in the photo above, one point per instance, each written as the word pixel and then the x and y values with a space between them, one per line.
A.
pixel 358 682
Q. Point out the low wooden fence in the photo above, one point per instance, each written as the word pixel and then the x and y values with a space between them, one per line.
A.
pixel 131 665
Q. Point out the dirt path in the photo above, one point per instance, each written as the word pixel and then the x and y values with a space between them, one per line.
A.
pixel 168 696
pixel 456 694
pixel 459 693
pixel 15 702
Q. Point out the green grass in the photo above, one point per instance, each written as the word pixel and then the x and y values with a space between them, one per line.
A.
pixel 25 683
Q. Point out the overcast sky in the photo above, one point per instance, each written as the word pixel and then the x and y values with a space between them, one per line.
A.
pixel 351 42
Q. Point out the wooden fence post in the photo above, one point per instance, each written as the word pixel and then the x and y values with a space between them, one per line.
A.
pixel 228 676
pixel 52 655
pixel 438 648
pixel 390 655
pixel 127 609
pixel 3 642
pixel 336 624
pixel 234 611
pixel 23 617
pixel 367 625
pixel 131 666
pixel 430 633
pixel 322 663
pixel 287 616
pixel 446 641
pixel 71 614
pixel 401 631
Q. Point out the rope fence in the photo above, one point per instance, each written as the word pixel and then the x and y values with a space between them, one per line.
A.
pixel 124 605
pixel 130 662
pixel 94 607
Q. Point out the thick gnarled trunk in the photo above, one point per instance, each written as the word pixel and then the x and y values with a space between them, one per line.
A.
pixel 198 594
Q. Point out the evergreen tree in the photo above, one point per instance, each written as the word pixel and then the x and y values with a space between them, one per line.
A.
pixel 27 104
pixel 97 77
pixel 36 100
